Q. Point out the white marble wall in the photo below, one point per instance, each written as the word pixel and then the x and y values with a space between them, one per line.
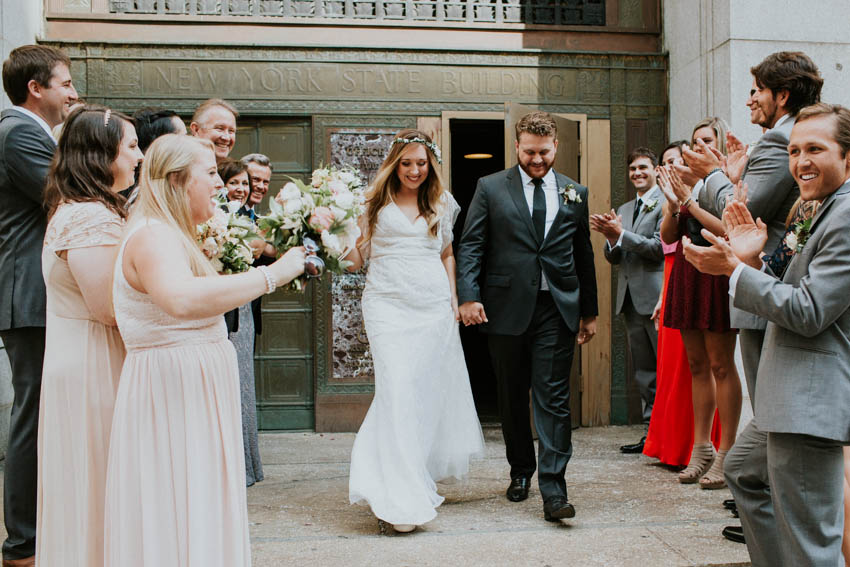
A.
pixel 20 23
pixel 713 43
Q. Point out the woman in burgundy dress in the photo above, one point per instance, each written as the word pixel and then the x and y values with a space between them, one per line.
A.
pixel 698 305
pixel 671 429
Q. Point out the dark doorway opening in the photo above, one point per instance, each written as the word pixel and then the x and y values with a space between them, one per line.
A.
pixel 471 141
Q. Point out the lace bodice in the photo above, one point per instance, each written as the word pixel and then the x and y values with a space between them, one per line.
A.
pixel 405 257
pixel 143 324
pixel 74 225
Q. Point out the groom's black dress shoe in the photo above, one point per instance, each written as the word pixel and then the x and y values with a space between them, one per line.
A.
pixel 518 490
pixel 731 506
pixel 635 447
pixel 734 533
pixel 557 508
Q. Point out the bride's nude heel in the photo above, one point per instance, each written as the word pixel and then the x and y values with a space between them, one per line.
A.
pixel 702 457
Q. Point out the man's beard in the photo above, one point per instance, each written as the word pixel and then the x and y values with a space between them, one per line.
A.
pixel 525 169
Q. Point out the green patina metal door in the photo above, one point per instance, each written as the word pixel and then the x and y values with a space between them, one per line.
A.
pixel 284 359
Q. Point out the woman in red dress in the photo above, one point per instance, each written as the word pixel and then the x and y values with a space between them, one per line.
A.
pixel 698 306
pixel 671 429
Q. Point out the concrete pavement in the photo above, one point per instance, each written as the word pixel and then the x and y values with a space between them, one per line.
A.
pixel 630 512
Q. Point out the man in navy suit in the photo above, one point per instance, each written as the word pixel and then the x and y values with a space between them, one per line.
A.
pixel 37 79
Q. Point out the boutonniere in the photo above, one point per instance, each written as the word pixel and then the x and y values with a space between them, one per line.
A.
pixel 650 206
pixel 797 238
pixel 570 194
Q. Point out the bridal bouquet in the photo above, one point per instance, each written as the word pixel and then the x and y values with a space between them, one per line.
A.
pixel 321 216
pixel 224 239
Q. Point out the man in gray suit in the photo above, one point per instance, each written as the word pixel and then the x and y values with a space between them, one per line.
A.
pixel 37 80
pixel 803 394
pixel 783 83
pixel 634 243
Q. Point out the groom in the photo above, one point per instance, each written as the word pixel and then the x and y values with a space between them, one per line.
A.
pixel 526 275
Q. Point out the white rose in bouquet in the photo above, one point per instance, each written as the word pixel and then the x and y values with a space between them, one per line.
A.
pixel 344 199
pixel 332 243
pixel 293 206
pixel 233 206
pixel 217 265
pixel 348 177
pixel 290 191
pixel 319 177
pixel 209 247
pixel 309 201
pixel 337 186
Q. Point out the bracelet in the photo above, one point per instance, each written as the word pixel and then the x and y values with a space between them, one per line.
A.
pixel 270 285
pixel 685 203
pixel 675 215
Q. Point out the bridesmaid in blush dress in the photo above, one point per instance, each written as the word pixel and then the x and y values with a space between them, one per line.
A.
pixel 96 158
pixel 175 489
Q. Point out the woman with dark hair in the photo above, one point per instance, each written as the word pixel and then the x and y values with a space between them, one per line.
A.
pixel 151 123
pixel 240 331
pixel 698 305
pixel 97 156
pixel 671 429
pixel 422 426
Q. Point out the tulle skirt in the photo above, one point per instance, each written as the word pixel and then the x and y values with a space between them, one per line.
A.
pixel 422 426
pixel 175 492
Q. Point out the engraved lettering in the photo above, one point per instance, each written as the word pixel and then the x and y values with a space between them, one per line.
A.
pixel 164 81
pixel 348 82
pixel 312 82
pixel 492 80
pixel 293 81
pixel 210 79
pixel 414 80
pixel 509 82
pixel 555 85
pixel 271 79
pixel 248 77
pixel 449 82
pixel 184 78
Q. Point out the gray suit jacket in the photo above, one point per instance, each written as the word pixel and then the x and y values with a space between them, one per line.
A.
pixel 25 154
pixel 772 193
pixel 803 383
pixel 640 256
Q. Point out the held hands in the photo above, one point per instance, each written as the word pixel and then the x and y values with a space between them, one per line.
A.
pixel 586 330
pixel 472 313
pixel 289 266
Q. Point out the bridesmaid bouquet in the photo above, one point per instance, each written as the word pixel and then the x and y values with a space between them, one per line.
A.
pixel 224 239
pixel 321 216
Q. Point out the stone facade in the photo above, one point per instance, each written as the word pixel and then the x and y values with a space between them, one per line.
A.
pixel 712 46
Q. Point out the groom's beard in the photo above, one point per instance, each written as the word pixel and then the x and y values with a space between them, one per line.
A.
pixel 547 167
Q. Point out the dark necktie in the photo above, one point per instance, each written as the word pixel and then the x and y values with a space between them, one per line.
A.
pixel 638 205
pixel 538 215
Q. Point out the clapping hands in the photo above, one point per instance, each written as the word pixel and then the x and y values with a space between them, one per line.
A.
pixel 610 225
pixel 736 157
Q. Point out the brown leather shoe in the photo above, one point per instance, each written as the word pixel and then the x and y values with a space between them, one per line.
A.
pixel 25 562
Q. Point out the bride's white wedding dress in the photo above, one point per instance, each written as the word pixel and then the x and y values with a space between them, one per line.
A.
pixel 422 426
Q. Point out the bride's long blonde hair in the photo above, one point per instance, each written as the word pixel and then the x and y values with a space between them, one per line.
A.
pixel 386 184
pixel 162 194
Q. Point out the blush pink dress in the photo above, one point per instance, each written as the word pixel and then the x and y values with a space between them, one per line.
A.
pixel 82 362
pixel 175 490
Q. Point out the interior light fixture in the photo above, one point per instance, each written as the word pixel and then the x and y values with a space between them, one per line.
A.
pixel 477 156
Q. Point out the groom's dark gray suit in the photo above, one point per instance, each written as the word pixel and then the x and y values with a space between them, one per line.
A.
pixel 531 331
pixel 25 154
pixel 803 395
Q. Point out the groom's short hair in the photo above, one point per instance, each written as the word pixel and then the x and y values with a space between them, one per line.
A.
pixel 842 120
pixel 538 123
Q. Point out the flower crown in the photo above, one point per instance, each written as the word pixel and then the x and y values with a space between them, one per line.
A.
pixel 417 140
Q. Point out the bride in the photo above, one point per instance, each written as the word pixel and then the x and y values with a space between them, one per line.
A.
pixel 422 426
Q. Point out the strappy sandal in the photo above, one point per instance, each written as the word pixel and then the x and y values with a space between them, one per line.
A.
pixel 714 479
pixel 702 457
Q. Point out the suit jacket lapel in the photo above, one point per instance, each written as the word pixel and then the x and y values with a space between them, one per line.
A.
pixel 563 208
pixel 517 193
pixel 827 203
